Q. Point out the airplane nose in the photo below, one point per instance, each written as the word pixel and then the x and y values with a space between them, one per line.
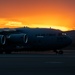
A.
pixel 68 40
pixel 64 41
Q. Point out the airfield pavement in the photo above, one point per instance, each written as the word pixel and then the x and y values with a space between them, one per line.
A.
pixel 38 63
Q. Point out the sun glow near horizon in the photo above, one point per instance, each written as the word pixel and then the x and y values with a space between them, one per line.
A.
pixel 14 24
pixel 62 28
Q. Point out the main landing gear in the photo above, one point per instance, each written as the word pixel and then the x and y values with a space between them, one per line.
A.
pixel 58 51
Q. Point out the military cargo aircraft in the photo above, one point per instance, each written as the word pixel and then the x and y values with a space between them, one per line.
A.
pixel 33 39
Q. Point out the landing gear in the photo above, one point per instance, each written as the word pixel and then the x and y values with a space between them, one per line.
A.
pixel 58 52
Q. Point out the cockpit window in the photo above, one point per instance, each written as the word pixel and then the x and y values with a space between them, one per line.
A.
pixel 61 34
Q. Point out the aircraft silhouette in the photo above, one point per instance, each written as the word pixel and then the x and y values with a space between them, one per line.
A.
pixel 33 39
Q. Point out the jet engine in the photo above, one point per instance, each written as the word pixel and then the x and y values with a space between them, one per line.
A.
pixel 2 40
pixel 18 38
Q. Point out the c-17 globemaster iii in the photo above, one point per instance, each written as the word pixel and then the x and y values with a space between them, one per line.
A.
pixel 33 39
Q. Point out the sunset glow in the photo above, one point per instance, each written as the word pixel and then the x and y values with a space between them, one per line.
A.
pixel 58 14
pixel 15 24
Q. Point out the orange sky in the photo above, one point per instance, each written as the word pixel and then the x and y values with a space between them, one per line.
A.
pixel 59 14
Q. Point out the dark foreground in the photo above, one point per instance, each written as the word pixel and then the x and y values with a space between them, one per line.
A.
pixel 37 64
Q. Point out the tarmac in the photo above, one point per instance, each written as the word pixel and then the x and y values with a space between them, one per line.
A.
pixel 38 63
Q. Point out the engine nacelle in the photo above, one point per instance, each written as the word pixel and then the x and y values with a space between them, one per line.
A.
pixel 2 39
pixel 18 38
